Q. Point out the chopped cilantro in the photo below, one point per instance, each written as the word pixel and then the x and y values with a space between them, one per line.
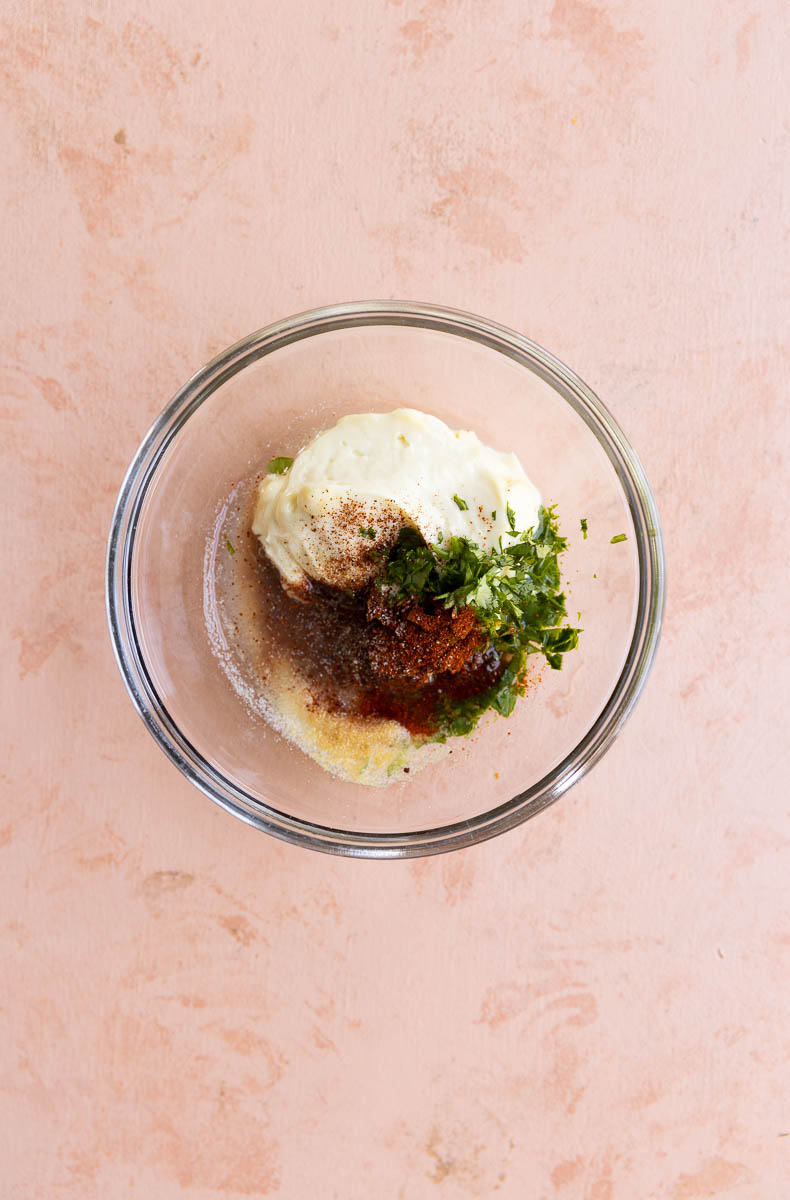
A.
pixel 511 517
pixel 461 503
pixel 278 466
pixel 367 533
pixel 620 537
pixel 229 545
pixel 584 527
pixel 493 514
pixel 514 591
pixel 459 717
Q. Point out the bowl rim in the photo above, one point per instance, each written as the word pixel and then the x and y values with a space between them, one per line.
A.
pixel 612 717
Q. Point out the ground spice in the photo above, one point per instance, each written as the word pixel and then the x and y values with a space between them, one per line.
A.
pixel 407 643
pixel 367 659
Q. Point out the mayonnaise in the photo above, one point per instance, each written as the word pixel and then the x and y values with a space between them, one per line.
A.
pixel 355 486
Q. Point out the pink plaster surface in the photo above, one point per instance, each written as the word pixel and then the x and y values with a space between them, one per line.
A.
pixel 595 1006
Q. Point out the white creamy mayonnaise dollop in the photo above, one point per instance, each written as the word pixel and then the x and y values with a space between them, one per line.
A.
pixel 378 472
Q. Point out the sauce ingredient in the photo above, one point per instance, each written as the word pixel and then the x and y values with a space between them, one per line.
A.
pixel 400 575
pixel 513 593
pixel 378 473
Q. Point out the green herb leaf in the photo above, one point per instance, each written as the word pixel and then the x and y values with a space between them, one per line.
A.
pixel 511 517
pixel 584 527
pixel 278 466
pixel 513 590
pixel 493 514
pixel 367 533
pixel 620 537
pixel 461 503
pixel 229 546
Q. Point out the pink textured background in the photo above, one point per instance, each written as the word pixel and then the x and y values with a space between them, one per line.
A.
pixel 594 1006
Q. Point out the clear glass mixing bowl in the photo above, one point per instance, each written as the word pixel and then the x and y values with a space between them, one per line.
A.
pixel 269 394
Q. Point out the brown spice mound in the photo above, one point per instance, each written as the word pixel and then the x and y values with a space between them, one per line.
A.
pixel 407 643
pixel 368 659
pixel 417 706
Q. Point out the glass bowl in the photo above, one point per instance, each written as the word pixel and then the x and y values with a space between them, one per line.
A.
pixel 268 395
